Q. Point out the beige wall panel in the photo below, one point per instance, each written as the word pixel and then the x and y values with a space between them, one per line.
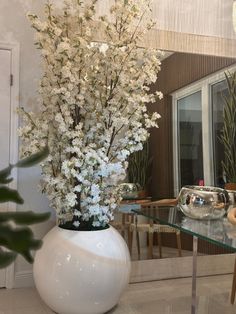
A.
pixel 197 26
pixel 200 17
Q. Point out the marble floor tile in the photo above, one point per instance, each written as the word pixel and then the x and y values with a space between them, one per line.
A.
pixel 156 297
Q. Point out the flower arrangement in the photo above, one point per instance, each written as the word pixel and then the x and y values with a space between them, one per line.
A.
pixel 93 111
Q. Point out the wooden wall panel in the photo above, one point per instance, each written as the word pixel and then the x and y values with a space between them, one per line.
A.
pixel 177 71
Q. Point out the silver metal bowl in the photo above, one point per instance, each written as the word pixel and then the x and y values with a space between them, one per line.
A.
pixel 232 199
pixel 203 202
pixel 129 190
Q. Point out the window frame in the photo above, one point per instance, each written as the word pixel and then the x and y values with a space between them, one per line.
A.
pixel 204 86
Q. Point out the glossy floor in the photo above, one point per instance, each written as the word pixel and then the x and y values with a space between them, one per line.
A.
pixel 157 297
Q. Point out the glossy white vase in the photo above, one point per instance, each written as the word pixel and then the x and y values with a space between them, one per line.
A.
pixel 82 272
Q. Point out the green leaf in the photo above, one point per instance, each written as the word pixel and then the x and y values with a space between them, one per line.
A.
pixel 33 159
pixel 9 195
pixel 19 240
pixel 6 258
pixel 4 174
pixel 24 218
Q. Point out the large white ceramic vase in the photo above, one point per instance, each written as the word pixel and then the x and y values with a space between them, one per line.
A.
pixel 82 272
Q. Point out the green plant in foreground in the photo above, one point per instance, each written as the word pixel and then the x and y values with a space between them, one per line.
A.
pixel 228 132
pixel 15 236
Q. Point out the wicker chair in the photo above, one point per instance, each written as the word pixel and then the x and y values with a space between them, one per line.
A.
pixel 150 228
pixel 127 219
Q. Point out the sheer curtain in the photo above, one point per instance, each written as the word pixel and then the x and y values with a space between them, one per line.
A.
pixel 199 17
pixel 194 26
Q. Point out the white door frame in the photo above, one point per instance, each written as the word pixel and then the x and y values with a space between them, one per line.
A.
pixel 14 102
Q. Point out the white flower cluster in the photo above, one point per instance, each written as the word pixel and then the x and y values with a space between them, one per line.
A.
pixel 94 99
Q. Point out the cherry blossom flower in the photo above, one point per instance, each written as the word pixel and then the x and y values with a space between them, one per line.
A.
pixel 94 100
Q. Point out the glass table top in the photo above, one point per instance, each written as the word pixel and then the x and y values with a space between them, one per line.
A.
pixel 219 231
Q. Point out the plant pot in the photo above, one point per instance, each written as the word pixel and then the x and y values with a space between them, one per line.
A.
pixel 82 272
pixel 230 186
pixel 143 194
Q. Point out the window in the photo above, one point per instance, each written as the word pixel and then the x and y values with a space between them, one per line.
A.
pixel 218 92
pixel 190 157
pixel 197 122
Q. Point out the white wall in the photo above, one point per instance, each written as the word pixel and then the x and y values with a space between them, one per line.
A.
pixel 15 28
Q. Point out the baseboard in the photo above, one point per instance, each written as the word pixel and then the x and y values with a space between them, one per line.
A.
pixel 160 269
pixel 24 279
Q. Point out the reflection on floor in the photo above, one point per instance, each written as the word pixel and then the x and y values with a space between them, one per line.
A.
pixel 157 297
pixel 167 252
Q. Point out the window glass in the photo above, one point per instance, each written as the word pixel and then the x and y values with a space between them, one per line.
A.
pixel 190 140
pixel 218 92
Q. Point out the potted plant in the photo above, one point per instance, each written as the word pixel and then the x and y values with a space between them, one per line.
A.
pixel 228 133
pixel 138 170
pixel 93 116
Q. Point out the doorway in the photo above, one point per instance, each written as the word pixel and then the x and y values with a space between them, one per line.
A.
pixel 5 120
pixel 9 101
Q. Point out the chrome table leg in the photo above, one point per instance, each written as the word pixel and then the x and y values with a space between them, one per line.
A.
pixel 137 235
pixel 194 275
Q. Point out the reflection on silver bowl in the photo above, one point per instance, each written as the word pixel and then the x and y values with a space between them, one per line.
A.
pixel 129 190
pixel 232 199
pixel 203 202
